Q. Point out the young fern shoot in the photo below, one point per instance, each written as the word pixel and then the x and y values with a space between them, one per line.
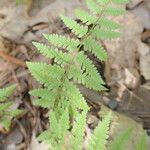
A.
pixel 60 94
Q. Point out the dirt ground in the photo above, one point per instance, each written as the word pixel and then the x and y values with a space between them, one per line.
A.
pixel 127 72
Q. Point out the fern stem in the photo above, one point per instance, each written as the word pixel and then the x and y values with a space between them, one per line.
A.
pixel 99 17
pixel 74 54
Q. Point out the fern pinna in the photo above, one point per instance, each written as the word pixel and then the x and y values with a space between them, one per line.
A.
pixel 60 94
pixel 6 112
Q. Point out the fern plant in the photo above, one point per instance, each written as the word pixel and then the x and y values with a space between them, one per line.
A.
pixel 6 112
pixel 59 93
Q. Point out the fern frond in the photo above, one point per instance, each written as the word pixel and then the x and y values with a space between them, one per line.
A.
pixel 45 136
pixel 121 140
pixel 76 98
pixel 6 122
pixel 6 112
pixel 51 52
pixel 16 112
pixel 58 129
pixel 4 106
pixel 64 124
pixel 91 45
pixel 78 131
pixel 98 140
pixel 77 74
pixel 115 11
pixel 67 107
pixel 92 84
pixel 44 103
pixel 76 28
pixel 88 66
pixel 93 6
pixel 108 24
pixel 105 34
pixel 142 142
pixel 46 97
pixel 46 74
pixel 54 126
pixel 62 41
pixel 85 17
pixel 6 92
pixel 42 93
pixel 83 78
pixel 90 76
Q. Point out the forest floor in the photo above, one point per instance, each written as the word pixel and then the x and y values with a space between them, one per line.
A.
pixel 127 72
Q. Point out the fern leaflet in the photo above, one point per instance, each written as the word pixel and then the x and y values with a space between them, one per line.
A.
pixel 76 28
pixel 6 112
pixel 120 141
pixel 101 133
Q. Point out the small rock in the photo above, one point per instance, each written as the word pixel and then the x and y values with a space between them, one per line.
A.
pixel 92 121
pixel 144 54
pixel 142 12
pixel 113 104
pixel 14 138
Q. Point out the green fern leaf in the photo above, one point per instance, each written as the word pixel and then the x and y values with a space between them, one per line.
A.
pixel 92 46
pixel 43 93
pixel 92 84
pixel 58 128
pixel 64 124
pixel 44 103
pixel 88 66
pixel 6 122
pixel 62 41
pixel 6 92
pixel 76 98
pixel 91 78
pixel 85 79
pixel 98 140
pixel 5 106
pixel 121 140
pixel 93 6
pixel 51 52
pixel 66 105
pixel 115 11
pixel 44 136
pixel 108 24
pixel 78 131
pixel 6 112
pixel 54 126
pixel 85 17
pixel 16 112
pixel 77 74
pixel 46 97
pixel 105 34
pixel 46 74
pixel 76 28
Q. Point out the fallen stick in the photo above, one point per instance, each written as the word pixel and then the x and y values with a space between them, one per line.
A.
pixel 12 59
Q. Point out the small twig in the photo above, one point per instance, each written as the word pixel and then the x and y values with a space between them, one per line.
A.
pixel 12 59
pixel 23 131
pixel 21 146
